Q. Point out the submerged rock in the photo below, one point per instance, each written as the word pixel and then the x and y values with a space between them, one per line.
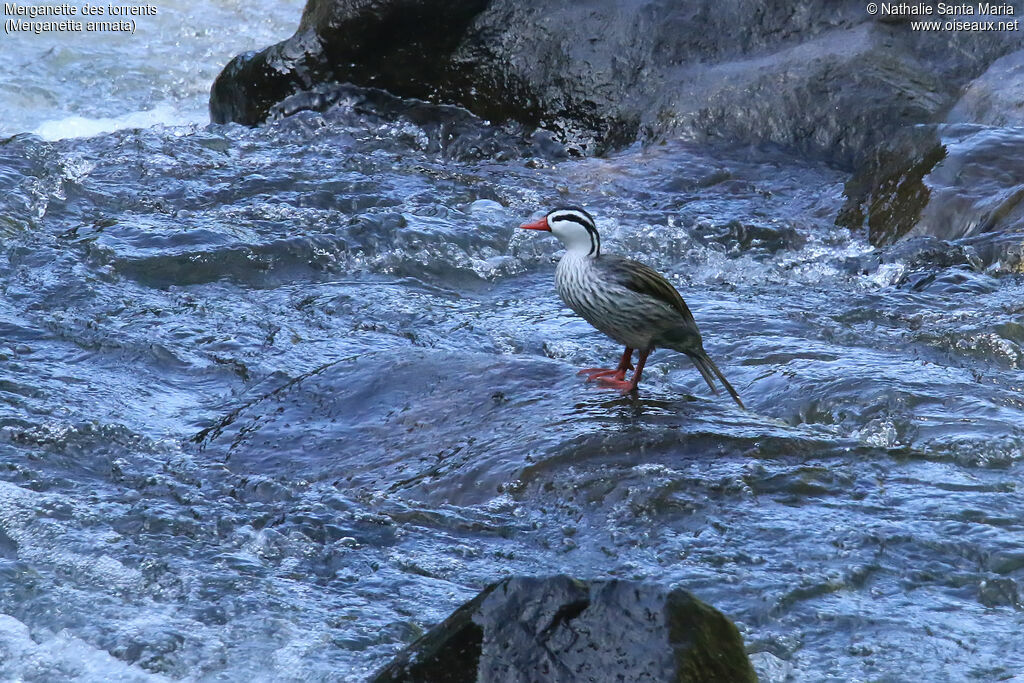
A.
pixel 561 629
pixel 889 193
pixel 958 180
pixel 822 77
pixel 952 182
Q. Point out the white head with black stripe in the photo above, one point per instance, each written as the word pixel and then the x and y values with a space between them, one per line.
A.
pixel 574 227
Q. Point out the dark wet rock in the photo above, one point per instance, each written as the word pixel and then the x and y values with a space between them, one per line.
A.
pixel 999 592
pixel 744 237
pixel 8 547
pixel 561 629
pixel 949 281
pixel 929 253
pixel 822 77
pixel 401 45
pixel 999 252
pixel 888 194
pixel 447 130
pixel 947 181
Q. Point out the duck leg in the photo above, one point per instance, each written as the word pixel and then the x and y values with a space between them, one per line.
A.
pixel 619 373
pixel 620 383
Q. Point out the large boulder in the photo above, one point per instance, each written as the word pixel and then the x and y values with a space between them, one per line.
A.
pixel 560 629
pixel 400 45
pixel 821 76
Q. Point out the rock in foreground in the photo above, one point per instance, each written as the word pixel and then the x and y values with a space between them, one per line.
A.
pixel 561 629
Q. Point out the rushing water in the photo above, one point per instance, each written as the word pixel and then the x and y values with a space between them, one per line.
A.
pixel 276 400
pixel 64 83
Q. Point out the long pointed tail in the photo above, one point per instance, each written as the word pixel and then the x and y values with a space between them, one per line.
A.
pixel 706 366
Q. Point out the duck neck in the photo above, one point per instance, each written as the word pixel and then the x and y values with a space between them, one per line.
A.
pixel 583 252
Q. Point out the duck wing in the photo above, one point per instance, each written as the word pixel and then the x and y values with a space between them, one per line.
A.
pixel 643 279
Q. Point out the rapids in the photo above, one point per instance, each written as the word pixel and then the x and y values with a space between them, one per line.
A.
pixel 276 400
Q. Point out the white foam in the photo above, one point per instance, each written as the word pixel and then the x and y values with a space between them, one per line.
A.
pixel 81 127
pixel 59 656
pixel 43 542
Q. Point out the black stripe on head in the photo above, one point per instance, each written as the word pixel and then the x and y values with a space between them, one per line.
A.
pixel 578 215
